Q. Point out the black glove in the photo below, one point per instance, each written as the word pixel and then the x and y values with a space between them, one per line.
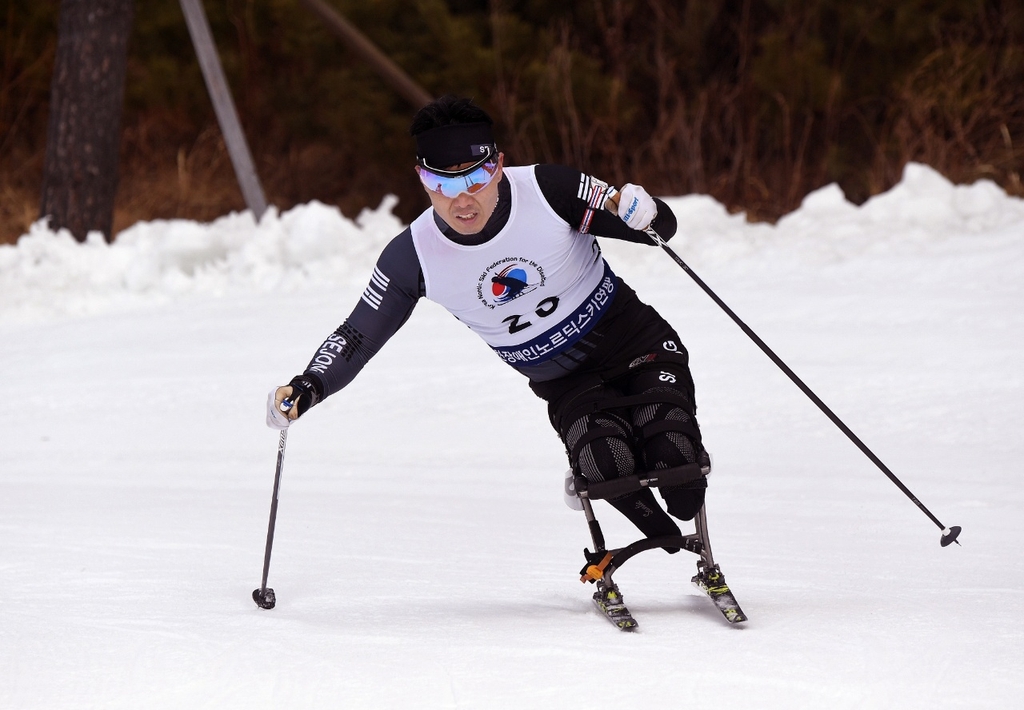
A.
pixel 305 393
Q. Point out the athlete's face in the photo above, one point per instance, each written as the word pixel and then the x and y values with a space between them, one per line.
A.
pixel 466 213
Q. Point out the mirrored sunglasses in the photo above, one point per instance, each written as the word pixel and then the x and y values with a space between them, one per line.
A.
pixel 452 183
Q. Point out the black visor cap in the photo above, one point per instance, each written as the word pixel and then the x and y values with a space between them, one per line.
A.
pixel 455 144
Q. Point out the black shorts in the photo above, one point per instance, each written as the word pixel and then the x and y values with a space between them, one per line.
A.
pixel 634 345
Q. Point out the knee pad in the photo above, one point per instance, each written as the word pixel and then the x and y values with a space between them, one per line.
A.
pixel 670 437
pixel 669 434
pixel 600 447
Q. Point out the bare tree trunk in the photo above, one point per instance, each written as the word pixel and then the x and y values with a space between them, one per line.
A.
pixel 86 97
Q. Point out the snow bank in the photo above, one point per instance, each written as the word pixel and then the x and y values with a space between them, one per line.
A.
pixel 49 273
pixel 924 208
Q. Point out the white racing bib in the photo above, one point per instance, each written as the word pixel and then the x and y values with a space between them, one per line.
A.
pixel 530 292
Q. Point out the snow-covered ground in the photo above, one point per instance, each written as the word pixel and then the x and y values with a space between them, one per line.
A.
pixel 424 557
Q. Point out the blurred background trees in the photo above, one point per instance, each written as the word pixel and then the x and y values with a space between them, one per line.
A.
pixel 756 102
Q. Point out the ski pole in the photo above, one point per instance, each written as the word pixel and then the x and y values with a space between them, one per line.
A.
pixel 264 596
pixel 949 534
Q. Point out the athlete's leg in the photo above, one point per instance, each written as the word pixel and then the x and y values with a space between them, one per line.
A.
pixel 601 446
pixel 667 430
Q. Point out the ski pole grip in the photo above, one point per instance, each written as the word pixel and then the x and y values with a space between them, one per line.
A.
pixel 611 200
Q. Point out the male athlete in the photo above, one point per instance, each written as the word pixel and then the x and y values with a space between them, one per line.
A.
pixel 510 252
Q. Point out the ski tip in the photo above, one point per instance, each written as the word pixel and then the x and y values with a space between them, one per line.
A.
pixel 264 598
pixel 734 615
pixel 949 536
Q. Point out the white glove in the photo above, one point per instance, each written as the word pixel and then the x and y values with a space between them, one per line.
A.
pixel 636 208
pixel 276 418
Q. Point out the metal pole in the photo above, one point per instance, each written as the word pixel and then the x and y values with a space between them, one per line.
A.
pixel 401 82
pixel 224 106
pixel 264 596
pixel 950 534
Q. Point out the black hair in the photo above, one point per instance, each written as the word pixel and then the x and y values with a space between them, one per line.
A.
pixel 445 111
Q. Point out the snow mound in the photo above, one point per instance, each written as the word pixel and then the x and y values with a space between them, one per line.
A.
pixel 922 210
pixel 49 273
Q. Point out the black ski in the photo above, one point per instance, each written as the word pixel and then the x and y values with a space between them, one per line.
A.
pixel 609 601
pixel 711 581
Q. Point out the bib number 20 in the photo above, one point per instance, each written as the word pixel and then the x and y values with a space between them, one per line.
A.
pixel 544 309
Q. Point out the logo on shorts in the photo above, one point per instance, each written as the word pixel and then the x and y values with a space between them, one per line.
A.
pixel 650 357
pixel 507 280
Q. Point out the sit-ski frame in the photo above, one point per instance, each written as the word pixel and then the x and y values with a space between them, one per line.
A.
pixel 602 563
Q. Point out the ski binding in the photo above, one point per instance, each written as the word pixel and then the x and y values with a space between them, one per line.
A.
pixel 711 581
pixel 608 599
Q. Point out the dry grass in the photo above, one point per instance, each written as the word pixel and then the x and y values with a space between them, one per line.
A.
pixel 959 109
pixel 168 176
pixel 755 103
pixel 19 193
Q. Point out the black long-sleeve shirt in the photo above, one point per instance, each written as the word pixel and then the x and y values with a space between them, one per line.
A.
pixel 397 283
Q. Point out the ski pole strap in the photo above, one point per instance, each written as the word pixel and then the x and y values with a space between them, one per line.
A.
pixel 599 192
pixel 690 474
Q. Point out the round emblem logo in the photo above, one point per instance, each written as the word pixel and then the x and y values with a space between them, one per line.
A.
pixel 507 280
